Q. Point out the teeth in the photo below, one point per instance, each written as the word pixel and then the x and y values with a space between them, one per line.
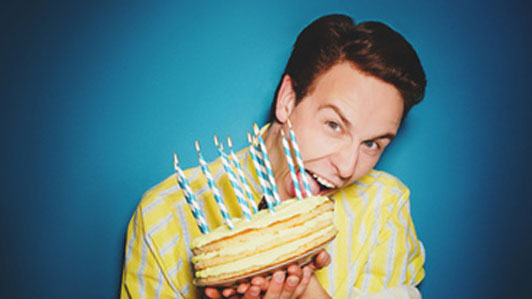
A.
pixel 323 181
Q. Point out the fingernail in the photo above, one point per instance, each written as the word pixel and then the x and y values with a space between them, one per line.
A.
pixel 292 281
pixel 254 292
pixel 307 271
pixel 279 276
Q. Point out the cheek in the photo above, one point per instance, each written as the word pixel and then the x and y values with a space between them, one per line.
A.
pixel 313 142
pixel 308 145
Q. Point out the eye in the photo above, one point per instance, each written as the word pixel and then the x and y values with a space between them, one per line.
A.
pixel 371 144
pixel 333 125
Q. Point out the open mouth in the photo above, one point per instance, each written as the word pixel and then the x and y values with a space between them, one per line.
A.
pixel 323 184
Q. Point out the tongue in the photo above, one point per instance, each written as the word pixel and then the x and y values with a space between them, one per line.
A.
pixel 314 186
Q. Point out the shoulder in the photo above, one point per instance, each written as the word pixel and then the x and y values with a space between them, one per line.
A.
pixel 381 180
pixel 386 180
pixel 157 211
pixel 163 210
pixel 377 188
pixel 161 196
pixel 167 193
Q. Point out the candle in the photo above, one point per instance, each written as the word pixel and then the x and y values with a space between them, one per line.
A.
pixel 261 173
pixel 214 189
pixel 240 173
pixel 290 163
pixel 190 198
pixel 268 165
pixel 232 178
pixel 299 160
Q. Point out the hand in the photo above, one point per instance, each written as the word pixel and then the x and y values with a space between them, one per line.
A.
pixel 295 284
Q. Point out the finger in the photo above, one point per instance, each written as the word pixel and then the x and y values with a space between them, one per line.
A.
pixel 253 292
pixel 276 285
pixel 212 293
pixel 295 270
pixel 242 288
pixel 289 287
pixel 303 284
pixel 228 292
pixel 323 259
pixel 261 282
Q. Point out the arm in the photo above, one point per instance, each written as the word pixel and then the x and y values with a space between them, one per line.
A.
pixel 397 258
pixel 315 290
pixel 142 275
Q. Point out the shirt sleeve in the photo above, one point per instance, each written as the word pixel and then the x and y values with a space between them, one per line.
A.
pixel 398 256
pixel 143 275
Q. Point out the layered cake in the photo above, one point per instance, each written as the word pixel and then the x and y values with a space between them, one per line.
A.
pixel 297 227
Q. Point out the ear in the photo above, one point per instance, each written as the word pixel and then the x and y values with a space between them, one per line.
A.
pixel 286 100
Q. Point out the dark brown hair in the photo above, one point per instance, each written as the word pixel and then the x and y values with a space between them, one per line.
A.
pixel 372 47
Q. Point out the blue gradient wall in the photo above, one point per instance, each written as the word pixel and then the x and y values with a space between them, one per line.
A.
pixel 96 96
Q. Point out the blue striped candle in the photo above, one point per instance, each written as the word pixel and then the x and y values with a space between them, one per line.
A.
pixel 232 178
pixel 268 165
pixel 261 173
pixel 214 189
pixel 241 176
pixel 299 160
pixel 290 163
pixel 190 198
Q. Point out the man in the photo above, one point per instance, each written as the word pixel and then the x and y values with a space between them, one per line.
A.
pixel 346 89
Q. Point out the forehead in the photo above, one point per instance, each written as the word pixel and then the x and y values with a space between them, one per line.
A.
pixel 361 98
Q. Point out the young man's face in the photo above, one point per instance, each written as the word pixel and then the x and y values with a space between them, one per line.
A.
pixel 342 126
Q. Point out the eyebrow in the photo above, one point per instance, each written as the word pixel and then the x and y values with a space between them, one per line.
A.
pixel 337 110
pixel 385 136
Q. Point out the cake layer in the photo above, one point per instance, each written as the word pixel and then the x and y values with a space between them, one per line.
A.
pixel 291 231
pixel 265 259
pixel 264 222
pixel 269 239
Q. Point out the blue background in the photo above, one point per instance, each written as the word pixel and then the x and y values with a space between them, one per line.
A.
pixel 96 96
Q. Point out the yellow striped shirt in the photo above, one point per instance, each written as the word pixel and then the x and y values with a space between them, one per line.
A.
pixel 376 246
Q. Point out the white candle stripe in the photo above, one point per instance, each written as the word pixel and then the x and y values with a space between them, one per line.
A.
pixel 236 187
pixel 232 179
pixel 269 170
pixel 190 198
pixel 299 161
pixel 291 167
pixel 261 175
pixel 217 197
pixel 244 182
pixel 262 171
pixel 248 172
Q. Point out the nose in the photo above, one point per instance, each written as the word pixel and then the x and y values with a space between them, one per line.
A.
pixel 345 160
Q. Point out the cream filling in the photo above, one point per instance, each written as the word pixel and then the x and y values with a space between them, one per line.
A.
pixel 261 259
pixel 264 218
pixel 252 245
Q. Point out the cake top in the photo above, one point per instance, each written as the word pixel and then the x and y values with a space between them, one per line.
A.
pixel 263 218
